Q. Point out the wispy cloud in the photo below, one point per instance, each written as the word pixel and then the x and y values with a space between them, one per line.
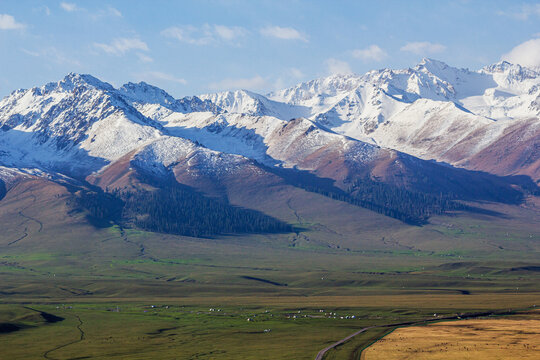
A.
pixel 7 22
pixel 204 35
pixel 524 13
pixel 284 33
pixel 30 52
pixel 151 76
pixel 52 54
pixel 255 83
pixel 109 11
pixel 371 53
pixel 144 58
pixel 423 47
pixel 290 74
pixel 69 7
pixel 337 67
pixel 94 14
pixel 43 9
pixel 526 54
pixel 296 73
pixel 113 11
pixel 120 46
pixel 188 34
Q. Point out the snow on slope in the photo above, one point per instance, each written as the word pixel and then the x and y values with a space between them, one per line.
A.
pixel 266 139
pixel 166 152
pixel 81 125
pixel 247 102
pixel 425 110
pixel 77 124
pixel 155 103
pixel 432 111
pixel 428 128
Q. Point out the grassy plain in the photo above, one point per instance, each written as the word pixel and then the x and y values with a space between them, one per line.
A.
pixel 343 259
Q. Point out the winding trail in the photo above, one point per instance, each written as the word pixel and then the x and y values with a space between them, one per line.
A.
pixel 140 246
pixel 47 353
pixel 20 238
pixel 320 354
pixel 33 219
pixel 294 211
pixel 27 218
pixel 298 234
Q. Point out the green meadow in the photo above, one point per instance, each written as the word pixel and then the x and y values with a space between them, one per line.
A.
pixel 72 291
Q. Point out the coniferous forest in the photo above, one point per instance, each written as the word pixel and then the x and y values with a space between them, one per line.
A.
pixel 174 210
pixel 406 205
pixel 411 207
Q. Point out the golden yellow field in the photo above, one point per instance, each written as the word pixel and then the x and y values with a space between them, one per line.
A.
pixel 464 339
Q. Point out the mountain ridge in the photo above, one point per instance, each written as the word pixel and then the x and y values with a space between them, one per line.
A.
pixel 407 129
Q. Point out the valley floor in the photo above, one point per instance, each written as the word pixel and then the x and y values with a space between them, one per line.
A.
pixel 72 291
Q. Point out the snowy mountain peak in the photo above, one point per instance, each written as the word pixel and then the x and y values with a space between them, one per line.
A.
pixel 232 99
pixel 154 102
pixel 145 93
pixel 74 80
pixel 500 66
pixel 432 64
pixel 513 72
pixel 313 93
pixel 247 102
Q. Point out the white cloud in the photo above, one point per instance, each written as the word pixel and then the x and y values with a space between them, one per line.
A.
pixel 120 46
pixel 158 75
pixel 69 7
pixel 7 22
pixel 338 67
pixel 229 32
pixel 526 54
pixel 205 34
pixel 371 53
pixel 144 58
pixel 255 83
pixel 284 33
pixel 423 47
pixel 187 34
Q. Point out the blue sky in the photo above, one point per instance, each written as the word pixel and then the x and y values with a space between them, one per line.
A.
pixel 192 47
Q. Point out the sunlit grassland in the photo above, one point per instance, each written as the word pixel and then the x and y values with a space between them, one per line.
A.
pixel 515 337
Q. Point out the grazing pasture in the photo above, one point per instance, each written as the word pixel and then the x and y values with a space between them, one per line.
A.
pixel 71 290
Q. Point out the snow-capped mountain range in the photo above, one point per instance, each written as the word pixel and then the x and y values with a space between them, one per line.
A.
pixel 385 124
pixel 432 111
